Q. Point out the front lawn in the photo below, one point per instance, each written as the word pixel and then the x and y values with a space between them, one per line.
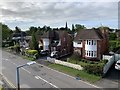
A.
pixel 73 72
pixel 92 67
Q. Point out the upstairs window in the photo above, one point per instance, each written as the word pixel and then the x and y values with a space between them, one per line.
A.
pixel 94 42
pixel 89 42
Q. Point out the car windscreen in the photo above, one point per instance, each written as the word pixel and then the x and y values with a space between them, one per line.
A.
pixel 118 63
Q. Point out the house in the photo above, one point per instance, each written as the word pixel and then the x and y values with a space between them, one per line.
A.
pixel 21 38
pixel 91 43
pixel 59 41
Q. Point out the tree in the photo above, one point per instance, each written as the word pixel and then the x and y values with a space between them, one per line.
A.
pixel 112 36
pixel 79 27
pixel 34 43
pixel 66 27
pixel 6 31
pixel 17 30
pixel 73 28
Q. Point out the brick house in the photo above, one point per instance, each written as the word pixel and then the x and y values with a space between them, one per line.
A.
pixel 59 41
pixel 91 43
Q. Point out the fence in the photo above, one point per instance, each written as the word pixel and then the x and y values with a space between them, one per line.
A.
pixel 75 66
pixel 117 57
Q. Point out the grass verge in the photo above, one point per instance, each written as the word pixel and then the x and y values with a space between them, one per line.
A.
pixel 73 72
pixel 28 58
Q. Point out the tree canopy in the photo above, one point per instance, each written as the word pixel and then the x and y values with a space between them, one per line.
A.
pixel 6 31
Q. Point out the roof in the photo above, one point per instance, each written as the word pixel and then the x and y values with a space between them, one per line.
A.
pixel 48 34
pixel 88 34
pixel 19 34
pixel 53 34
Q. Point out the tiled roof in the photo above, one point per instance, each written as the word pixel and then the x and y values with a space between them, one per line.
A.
pixel 48 34
pixel 88 34
pixel 53 34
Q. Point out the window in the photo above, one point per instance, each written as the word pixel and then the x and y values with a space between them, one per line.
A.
pixel 89 42
pixel 95 53
pixel 89 53
pixel 92 53
pixel 79 42
pixel 92 42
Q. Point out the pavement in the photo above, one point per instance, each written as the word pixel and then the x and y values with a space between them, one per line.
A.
pixel 37 75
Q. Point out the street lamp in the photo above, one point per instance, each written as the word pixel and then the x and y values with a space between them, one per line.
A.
pixel 17 72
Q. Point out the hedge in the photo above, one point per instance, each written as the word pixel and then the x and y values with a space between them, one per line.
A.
pixel 15 48
pixel 32 53
pixel 92 67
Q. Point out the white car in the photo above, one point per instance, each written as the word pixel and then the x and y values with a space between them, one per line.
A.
pixel 117 65
pixel 54 54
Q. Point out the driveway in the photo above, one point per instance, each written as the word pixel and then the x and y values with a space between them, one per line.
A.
pixel 111 80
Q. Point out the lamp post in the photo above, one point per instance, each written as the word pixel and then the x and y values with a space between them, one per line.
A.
pixel 18 75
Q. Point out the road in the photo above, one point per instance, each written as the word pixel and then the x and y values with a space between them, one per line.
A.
pixel 37 76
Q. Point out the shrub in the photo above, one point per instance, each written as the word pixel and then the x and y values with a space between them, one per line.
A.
pixel 94 68
pixel 15 48
pixel 104 61
pixel 32 53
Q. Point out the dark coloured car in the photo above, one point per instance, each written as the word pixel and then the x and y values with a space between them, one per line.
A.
pixel 44 53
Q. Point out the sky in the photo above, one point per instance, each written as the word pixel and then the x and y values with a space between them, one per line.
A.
pixel 56 13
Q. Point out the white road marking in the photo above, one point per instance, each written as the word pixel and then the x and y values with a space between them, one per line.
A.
pixel 26 70
pixel 36 77
pixel 46 81
pixel 69 76
pixel 17 65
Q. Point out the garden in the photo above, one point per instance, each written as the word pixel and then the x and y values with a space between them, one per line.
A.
pixel 92 67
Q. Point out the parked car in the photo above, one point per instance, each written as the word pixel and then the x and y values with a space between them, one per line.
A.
pixel 44 53
pixel 54 54
pixel 117 65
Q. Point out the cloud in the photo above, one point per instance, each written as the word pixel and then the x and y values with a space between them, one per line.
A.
pixel 51 13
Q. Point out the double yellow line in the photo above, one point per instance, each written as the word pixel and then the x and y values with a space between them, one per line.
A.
pixel 13 86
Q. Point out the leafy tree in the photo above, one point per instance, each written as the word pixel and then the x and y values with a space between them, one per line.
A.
pixel 32 29
pixel 17 30
pixel 34 43
pixel 112 36
pixel 6 31
pixel 79 27
pixel 73 28
pixel 66 27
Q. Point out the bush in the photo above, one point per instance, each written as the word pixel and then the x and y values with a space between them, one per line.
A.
pixel 15 48
pixel 91 67
pixel 32 53
pixel 104 61
pixel 96 69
